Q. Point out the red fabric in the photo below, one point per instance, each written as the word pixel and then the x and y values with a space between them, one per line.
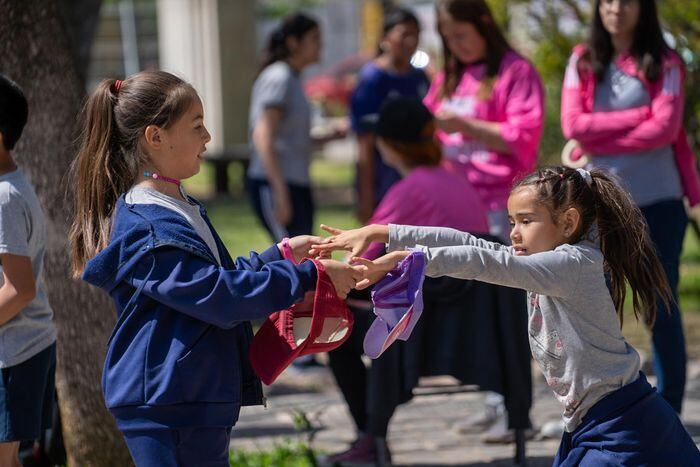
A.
pixel 274 348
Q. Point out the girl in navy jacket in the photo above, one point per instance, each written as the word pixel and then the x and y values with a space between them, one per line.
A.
pixel 177 370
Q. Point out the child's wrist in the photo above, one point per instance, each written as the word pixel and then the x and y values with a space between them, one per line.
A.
pixel 379 233
pixel 286 250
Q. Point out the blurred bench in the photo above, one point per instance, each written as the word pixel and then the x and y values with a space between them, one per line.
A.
pixel 238 153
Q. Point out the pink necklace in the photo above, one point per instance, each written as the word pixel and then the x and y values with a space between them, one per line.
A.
pixel 174 181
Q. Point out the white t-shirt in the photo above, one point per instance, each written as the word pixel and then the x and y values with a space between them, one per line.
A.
pixel 190 211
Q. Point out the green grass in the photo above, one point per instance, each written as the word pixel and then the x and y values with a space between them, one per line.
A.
pixel 287 454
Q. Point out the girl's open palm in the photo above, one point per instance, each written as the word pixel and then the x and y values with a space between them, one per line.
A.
pixel 374 271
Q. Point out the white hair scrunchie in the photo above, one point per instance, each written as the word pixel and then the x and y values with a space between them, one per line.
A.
pixel 586 176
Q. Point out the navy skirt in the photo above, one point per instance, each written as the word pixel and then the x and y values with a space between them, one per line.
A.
pixel 631 426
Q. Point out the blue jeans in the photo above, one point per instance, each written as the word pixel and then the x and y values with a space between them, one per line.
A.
pixel 667 225
pixel 181 447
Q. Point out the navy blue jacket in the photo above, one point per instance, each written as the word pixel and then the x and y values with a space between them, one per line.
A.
pixel 178 355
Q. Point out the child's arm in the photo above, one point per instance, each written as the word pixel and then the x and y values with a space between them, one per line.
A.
pixel 398 237
pixel 299 246
pixel 225 298
pixel 551 273
pixel 19 287
pixel 402 236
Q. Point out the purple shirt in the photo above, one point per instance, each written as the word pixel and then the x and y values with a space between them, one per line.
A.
pixel 430 196
pixel 374 86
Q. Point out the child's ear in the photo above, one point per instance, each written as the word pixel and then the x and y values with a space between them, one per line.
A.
pixel 153 136
pixel 572 221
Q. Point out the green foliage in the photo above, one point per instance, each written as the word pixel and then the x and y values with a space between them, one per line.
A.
pixel 553 45
pixel 280 8
pixel 286 454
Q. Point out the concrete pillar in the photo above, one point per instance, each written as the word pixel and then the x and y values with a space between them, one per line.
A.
pixel 211 44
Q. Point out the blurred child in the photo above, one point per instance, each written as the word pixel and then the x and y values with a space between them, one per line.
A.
pixel 390 74
pixel 177 369
pixel 27 334
pixel 569 228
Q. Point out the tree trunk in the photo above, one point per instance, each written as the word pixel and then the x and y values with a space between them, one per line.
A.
pixel 35 52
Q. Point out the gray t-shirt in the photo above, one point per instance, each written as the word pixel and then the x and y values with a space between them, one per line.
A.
pixel 190 211
pixel 573 327
pixel 650 176
pixel 279 86
pixel 23 233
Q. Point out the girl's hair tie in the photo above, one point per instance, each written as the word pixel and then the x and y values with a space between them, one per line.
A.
pixel 586 176
pixel 117 86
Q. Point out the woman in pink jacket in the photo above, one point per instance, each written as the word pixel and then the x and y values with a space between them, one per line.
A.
pixel 488 102
pixel 622 102
pixel 489 106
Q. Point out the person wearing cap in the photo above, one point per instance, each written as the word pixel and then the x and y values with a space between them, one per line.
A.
pixel 391 73
pixel 427 194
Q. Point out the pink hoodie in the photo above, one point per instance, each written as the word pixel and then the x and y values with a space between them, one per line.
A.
pixel 430 196
pixel 517 103
pixel 630 130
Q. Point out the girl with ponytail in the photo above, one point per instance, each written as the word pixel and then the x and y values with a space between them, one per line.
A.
pixel 278 180
pixel 177 368
pixel 570 228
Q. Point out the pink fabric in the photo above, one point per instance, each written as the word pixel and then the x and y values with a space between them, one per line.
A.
pixel 517 103
pixel 631 130
pixel 430 196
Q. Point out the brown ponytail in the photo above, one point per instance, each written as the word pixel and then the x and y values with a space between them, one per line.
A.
pixel 630 257
pixel 115 117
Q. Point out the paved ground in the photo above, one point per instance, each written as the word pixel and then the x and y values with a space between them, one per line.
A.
pixel 421 432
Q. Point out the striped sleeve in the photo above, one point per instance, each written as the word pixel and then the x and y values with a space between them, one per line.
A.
pixel 571 77
pixel 672 81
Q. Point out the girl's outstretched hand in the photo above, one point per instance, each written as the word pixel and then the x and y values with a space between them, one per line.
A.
pixel 356 241
pixel 374 271
pixel 301 244
pixel 343 276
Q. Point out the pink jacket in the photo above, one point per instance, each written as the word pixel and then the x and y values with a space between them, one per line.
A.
pixel 631 130
pixel 430 196
pixel 517 103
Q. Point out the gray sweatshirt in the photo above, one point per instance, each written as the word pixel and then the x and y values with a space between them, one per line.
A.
pixel 573 327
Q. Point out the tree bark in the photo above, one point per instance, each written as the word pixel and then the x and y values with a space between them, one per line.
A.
pixel 35 52
pixel 82 18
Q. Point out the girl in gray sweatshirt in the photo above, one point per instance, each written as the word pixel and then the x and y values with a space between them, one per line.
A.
pixel 570 229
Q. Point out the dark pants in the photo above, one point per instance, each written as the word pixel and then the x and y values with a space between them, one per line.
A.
pixel 27 397
pixel 184 447
pixel 302 222
pixel 630 426
pixel 355 381
pixel 667 224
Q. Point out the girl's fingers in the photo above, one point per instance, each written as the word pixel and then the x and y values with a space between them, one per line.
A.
pixel 331 230
pixel 363 284
pixel 358 272
pixel 360 260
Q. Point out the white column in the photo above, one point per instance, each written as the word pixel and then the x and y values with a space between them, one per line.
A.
pixel 188 45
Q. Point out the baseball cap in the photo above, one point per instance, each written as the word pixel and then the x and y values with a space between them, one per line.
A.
pixel 319 323
pixel 399 118
pixel 398 304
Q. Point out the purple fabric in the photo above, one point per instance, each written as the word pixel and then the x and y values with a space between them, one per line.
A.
pixel 398 304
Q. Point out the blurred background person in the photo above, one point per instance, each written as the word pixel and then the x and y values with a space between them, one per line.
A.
pixel 489 105
pixel 389 74
pixel 622 101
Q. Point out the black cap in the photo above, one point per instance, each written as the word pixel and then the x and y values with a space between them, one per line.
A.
pixel 401 119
